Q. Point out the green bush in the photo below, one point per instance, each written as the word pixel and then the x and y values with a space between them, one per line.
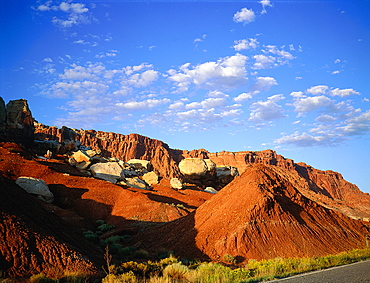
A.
pixel 128 277
pixel 176 271
pixel 41 278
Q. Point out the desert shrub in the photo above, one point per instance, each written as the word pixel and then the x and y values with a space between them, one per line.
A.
pixel 99 222
pixel 176 271
pixel 229 259
pixel 73 277
pixel 41 278
pixel 106 227
pixel 141 253
pixel 128 277
pixel 163 253
pixel 169 260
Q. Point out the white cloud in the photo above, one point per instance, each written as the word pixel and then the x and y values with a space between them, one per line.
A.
pixel 305 140
pixel 83 73
pixel 142 105
pixel 343 92
pixel 309 104
pixel 261 84
pixel 244 16
pixel 200 39
pixel 245 44
pixel 355 126
pixel 265 3
pixel 319 89
pixel 227 72
pixel 143 79
pixel 244 96
pixel 297 94
pixel 263 111
pixel 263 61
pixel 77 13
pixel 264 83
pixel 325 118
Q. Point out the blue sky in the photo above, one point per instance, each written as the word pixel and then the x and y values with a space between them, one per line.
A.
pixel 292 76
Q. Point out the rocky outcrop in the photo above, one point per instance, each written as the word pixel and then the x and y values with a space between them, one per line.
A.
pixel 260 215
pixel 16 122
pixel 36 187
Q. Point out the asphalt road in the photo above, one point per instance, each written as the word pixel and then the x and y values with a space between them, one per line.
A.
pixel 358 272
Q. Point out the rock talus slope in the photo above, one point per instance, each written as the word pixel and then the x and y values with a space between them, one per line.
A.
pixel 259 215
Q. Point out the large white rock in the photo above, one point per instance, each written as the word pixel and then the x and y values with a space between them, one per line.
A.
pixel 109 171
pixel 37 187
pixel 193 166
pixel 151 178
pixel 176 183
pixel 211 166
pixel 81 156
pixel 135 183
pixel 211 190
pixel 224 170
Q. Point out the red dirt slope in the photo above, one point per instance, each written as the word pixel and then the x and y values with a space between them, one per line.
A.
pixel 33 240
pixel 259 215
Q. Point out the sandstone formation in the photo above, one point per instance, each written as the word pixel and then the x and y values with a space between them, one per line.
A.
pixel 36 187
pixel 260 215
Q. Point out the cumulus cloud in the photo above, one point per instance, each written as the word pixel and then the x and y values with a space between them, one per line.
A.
pixel 226 73
pixel 244 16
pixel 265 3
pixel 75 13
pixel 263 61
pixel 307 140
pixel 261 84
pixel 263 111
pixel 316 90
pixel 142 105
pixel 143 79
pixel 245 44
pixel 308 104
pixel 343 92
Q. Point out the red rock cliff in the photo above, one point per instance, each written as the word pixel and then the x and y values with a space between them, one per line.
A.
pixel 326 187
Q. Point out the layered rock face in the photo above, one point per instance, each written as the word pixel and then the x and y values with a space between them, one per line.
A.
pixel 259 215
pixel 16 122
pixel 124 147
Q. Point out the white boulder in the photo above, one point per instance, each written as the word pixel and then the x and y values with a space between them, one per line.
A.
pixel 37 187
pixel 135 183
pixel 81 156
pixel 176 183
pixel 110 171
pixel 210 190
pixel 151 178
pixel 193 166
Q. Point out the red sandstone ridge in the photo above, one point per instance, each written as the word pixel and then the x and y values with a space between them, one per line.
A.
pixel 259 215
pixel 326 187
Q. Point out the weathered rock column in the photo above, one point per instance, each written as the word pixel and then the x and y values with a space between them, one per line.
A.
pixel 19 126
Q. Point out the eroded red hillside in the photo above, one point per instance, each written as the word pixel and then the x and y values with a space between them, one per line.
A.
pixel 259 215
pixel 326 187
